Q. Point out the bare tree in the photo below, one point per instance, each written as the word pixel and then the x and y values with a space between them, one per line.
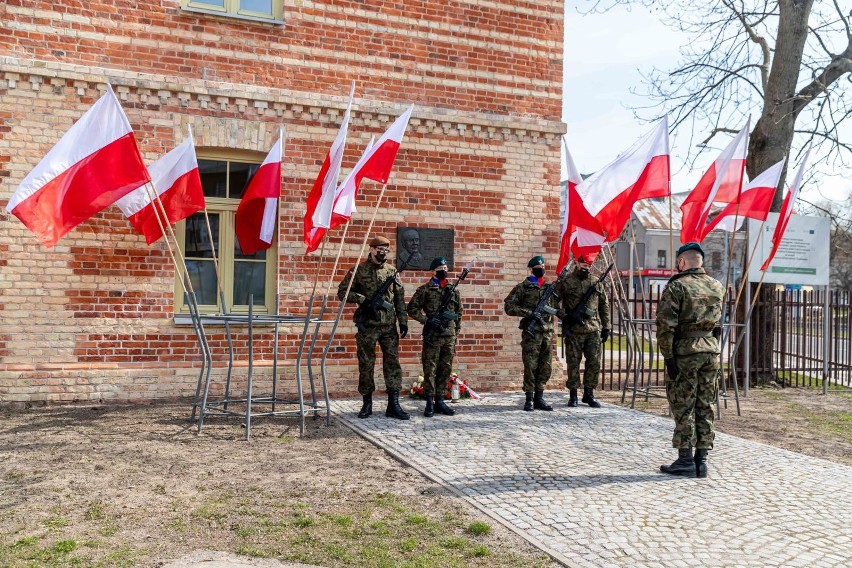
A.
pixel 789 62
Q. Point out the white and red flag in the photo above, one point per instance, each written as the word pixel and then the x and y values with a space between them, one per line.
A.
pixel 721 183
pixel 176 179
pixel 344 202
pixel 754 202
pixel 257 213
pixel 581 233
pixel 95 163
pixel 639 173
pixel 786 211
pixel 321 198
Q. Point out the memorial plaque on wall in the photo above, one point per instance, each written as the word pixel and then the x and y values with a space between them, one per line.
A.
pixel 418 246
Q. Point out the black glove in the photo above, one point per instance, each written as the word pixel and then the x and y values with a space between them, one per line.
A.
pixel 717 332
pixel 604 335
pixel 561 314
pixel 538 318
pixel 403 331
pixel 671 368
pixel 435 321
pixel 367 308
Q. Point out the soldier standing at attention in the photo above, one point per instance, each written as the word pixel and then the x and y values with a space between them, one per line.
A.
pixel 377 325
pixel 688 337
pixel 536 348
pixel 585 328
pixel 440 331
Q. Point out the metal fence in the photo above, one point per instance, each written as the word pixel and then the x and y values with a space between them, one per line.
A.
pixel 801 335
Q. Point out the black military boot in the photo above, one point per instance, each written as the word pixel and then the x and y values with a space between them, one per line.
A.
pixel 430 407
pixel 683 465
pixel 572 397
pixel 538 401
pixel 442 408
pixel 701 463
pixel 366 406
pixel 394 409
pixel 589 397
pixel 528 405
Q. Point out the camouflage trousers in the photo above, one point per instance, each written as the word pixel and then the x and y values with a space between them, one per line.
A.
pixel 537 354
pixel 388 339
pixel 581 345
pixel 691 398
pixel 438 364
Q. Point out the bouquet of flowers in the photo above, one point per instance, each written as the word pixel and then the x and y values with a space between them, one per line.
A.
pixel 464 390
pixel 417 389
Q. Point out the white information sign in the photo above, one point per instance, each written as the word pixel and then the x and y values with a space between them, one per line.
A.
pixel 802 258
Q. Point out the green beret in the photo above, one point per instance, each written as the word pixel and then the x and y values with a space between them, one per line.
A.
pixel 437 261
pixel 535 260
pixel 690 246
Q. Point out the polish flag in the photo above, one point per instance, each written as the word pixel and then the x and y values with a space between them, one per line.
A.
pixel 95 163
pixel 639 173
pixel 344 202
pixel 177 181
pixel 321 198
pixel 786 211
pixel 754 202
pixel 721 183
pixel 375 164
pixel 581 233
pixel 257 213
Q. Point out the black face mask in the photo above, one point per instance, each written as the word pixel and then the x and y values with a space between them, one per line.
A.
pixel 380 257
pixel 538 272
pixel 583 273
pixel 441 274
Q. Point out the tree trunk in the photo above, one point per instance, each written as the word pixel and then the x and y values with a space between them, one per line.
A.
pixel 770 141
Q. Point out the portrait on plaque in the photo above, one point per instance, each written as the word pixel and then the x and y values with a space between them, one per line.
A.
pixel 417 246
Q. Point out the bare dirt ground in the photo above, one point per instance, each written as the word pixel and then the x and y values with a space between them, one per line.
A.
pixel 135 486
pixel 797 419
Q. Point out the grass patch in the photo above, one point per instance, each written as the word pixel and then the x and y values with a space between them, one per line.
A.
pixel 95 512
pixel 480 550
pixel 478 528
pixel 65 546
pixel 57 522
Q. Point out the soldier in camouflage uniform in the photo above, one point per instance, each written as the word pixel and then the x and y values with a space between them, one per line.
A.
pixel 688 337
pixel 377 326
pixel 584 329
pixel 536 348
pixel 440 331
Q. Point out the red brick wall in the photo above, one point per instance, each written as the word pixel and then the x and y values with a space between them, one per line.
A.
pixel 92 318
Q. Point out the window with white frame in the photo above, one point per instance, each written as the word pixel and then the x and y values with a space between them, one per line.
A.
pixel 218 269
pixel 263 10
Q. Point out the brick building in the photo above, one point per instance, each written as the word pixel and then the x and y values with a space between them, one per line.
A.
pixel 100 316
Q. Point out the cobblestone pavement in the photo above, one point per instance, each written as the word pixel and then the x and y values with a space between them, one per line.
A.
pixel 583 485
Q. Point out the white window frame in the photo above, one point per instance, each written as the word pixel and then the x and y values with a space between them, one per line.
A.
pixel 231 9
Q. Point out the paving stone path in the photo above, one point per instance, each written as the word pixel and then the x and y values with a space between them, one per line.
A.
pixel 583 485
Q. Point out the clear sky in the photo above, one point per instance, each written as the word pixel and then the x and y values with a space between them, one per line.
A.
pixel 605 55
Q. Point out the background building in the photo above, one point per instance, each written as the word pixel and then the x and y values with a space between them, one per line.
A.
pixel 101 315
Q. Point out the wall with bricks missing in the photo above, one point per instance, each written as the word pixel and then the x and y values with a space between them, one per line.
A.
pixel 93 318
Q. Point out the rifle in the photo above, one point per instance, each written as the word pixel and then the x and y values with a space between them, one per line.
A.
pixel 437 323
pixel 581 313
pixel 528 324
pixel 377 302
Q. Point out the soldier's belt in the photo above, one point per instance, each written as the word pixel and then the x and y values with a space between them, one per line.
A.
pixel 692 334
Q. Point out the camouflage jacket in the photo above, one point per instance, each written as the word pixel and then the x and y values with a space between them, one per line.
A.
pixel 427 299
pixel 572 289
pixel 690 303
pixel 523 299
pixel 369 276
